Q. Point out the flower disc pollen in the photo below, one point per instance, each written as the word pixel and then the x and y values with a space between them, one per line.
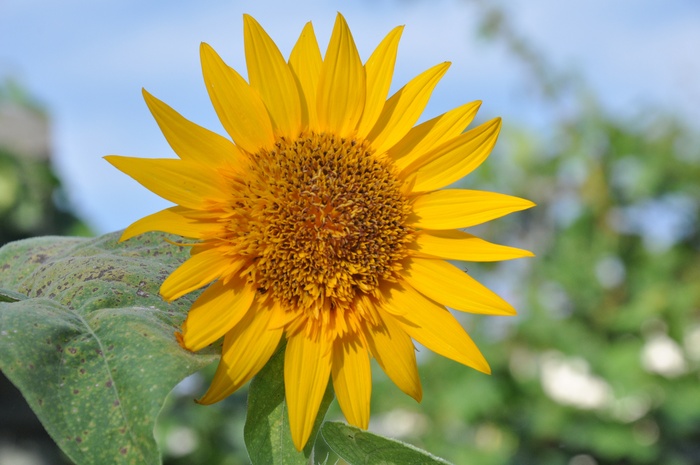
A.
pixel 321 218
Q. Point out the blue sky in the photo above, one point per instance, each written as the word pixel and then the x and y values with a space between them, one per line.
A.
pixel 87 61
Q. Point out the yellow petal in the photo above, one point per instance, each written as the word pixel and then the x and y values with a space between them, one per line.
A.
pixel 352 381
pixel 239 107
pixel 404 108
pixel 198 271
pixel 433 326
pixel 341 86
pixel 184 182
pixel 305 61
pixel 394 351
pixel 307 366
pixel 379 69
pixel 447 284
pixel 270 75
pixel 171 220
pixel 247 348
pixel 454 159
pixel 215 312
pixel 281 318
pixel 191 141
pixel 458 245
pixel 461 208
pixel 433 133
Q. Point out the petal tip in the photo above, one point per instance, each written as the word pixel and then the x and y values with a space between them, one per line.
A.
pixel 166 296
pixel 180 338
pixel 204 401
pixel 250 22
pixel 505 309
pixel 125 236
pixel 115 161
pixel 443 67
pixel 205 48
pixel 418 396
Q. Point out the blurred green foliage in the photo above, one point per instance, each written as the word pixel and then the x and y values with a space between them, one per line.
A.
pixel 601 365
pixel 32 202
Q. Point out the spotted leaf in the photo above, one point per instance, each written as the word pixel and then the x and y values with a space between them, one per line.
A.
pixel 89 343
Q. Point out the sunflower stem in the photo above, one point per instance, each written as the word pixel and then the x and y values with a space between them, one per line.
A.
pixel 266 432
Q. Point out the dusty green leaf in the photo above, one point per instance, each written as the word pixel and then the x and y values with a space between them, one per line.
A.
pixel 91 346
pixel 10 296
pixel 358 447
pixel 266 433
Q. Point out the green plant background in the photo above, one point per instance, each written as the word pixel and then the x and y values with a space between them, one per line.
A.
pixel 602 364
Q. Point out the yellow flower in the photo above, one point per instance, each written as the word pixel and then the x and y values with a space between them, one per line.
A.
pixel 325 221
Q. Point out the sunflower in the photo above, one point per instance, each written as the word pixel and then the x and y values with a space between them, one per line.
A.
pixel 323 221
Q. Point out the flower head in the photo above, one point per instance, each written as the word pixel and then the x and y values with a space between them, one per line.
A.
pixel 324 220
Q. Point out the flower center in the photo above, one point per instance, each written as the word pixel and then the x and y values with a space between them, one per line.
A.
pixel 320 220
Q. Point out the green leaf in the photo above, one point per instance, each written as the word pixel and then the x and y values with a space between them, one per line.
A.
pixel 91 347
pixel 356 447
pixel 10 296
pixel 266 433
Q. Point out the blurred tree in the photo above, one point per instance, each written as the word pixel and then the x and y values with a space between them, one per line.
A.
pixel 32 203
pixel 602 365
